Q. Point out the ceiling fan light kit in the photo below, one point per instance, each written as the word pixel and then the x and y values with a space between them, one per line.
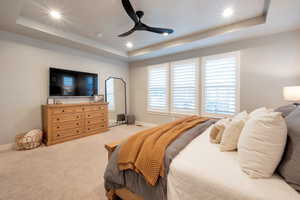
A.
pixel 139 26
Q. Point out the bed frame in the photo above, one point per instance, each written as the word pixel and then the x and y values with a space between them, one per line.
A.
pixel 123 193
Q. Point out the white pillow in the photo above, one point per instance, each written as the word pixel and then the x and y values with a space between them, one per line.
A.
pixel 224 121
pixel 259 111
pixel 241 116
pixel 231 135
pixel 262 143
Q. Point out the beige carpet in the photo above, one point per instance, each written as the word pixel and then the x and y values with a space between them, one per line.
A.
pixel 72 170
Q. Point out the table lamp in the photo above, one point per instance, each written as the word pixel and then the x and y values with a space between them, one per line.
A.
pixel 292 94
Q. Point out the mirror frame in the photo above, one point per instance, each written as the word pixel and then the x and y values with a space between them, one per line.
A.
pixel 125 86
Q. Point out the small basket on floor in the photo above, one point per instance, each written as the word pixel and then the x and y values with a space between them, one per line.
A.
pixel 30 140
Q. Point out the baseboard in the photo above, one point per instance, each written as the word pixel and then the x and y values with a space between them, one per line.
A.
pixel 6 147
pixel 144 123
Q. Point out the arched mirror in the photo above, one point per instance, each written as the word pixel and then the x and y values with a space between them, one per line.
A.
pixel 115 95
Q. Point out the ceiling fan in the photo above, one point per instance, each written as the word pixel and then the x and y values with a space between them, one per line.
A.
pixel 139 26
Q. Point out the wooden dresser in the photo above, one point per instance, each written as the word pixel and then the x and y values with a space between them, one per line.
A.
pixel 64 122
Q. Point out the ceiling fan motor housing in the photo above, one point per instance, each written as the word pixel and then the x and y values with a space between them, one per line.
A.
pixel 140 14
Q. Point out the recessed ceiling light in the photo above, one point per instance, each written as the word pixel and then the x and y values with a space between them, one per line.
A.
pixel 129 45
pixel 55 14
pixel 165 34
pixel 228 12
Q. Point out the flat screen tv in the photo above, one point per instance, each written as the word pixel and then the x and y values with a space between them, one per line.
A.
pixel 72 83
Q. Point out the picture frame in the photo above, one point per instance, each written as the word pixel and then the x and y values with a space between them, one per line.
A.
pixel 50 101
pixel 99 98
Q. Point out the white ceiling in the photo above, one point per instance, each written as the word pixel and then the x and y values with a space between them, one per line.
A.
pixel 89 17
pixel 83 20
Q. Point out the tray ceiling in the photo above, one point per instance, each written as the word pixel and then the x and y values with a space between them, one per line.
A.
pixel 192 20
pixel 90 17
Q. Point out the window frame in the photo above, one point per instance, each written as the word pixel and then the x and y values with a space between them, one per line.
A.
pixel 197 76
pixel 237 55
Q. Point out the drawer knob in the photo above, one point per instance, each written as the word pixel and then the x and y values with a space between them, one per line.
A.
pixel 77 124
pixel 63 110
pixel 88 128
pixel 89 122
pixel 89 115
pixel 58 135
pixel 58 127
pixel 77 117
pixel 77 131
pixel 57 119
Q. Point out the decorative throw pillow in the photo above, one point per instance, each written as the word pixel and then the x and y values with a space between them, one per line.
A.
pixel 217 130
pixel 289 168
pixel 231 135
pixel 286 110
pixel 215 135
pixel 262 143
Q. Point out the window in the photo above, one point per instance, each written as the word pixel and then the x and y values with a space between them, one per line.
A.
pixel 220 84
pixel 158 86
pixel 110 94
pixel 184 87
pixel 174 87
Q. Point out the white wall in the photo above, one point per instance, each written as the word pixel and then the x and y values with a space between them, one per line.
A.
pixel 267 64
pixel 24 65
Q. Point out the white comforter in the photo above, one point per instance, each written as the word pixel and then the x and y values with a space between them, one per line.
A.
pixel 202 172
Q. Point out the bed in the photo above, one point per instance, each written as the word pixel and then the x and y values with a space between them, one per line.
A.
pixel 194 175
pixel 219 176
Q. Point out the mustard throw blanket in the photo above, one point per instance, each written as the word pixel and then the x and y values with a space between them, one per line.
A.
pixel 144 152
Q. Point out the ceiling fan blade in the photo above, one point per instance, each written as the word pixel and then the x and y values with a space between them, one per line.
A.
pixel 127 33
pixel 159 30
pixel 130 11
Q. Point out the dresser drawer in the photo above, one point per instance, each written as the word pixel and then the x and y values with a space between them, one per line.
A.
pixel 57 111
pixel 90 115
pixel 66 117
pixel 95 127
pixel 67 133
pixel 96 131
pixel 67 125
pixel 98 120
pixel 95 108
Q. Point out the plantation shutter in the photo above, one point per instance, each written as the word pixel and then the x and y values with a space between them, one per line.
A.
pixel 221 84
pixel 184 90
pixel 158 85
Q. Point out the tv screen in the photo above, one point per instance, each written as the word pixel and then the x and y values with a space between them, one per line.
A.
pixel 72 83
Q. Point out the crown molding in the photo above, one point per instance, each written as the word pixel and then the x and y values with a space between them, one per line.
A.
pixel 200 36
